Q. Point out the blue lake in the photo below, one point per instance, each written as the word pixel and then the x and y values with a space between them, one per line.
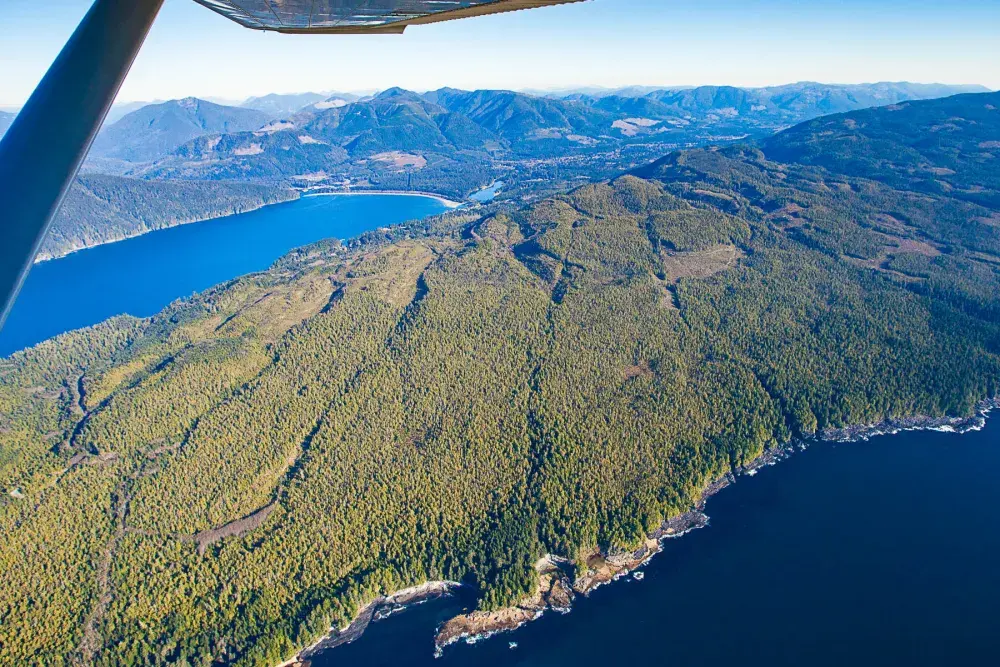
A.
pixel 140 276
pixel 489 193
pixel 871 554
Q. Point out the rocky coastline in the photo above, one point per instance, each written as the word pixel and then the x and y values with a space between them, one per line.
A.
pixel 560 583
pixel 558 587
pixel 380 609
pixel 919 423
pixel 613 564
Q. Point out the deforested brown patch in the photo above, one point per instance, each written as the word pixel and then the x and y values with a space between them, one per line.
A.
pixel 401 159
pixel 916 246
pixel 641 370
pixel 206 538
pixel 699 264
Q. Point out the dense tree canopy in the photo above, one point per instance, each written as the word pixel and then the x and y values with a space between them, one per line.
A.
pixel 226 480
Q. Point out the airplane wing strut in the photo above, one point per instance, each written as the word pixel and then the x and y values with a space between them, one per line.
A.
pixel 44 147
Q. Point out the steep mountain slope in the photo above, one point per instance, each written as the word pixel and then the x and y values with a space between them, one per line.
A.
pixel 527 123
pixel 119 111
pixel 578 371
pixel 942 146
pixel 100 209
pixel 396 140
pixel 279 106
pixel 397 120
pixel 156 130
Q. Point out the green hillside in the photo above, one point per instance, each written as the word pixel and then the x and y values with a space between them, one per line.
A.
pixel 948 146
pixel 221 483
pixel 156 130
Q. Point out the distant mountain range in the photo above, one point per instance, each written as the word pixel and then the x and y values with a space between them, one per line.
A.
pixel 283 105
pixel 377 142
pixel 440 136
pixel 730 110
pixel 158 129
pixel 791 102
pixel 508 120
pixel 903 87
pixel 454 141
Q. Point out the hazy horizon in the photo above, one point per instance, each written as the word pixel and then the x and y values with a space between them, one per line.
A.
pixel 192 52
pixel 554 90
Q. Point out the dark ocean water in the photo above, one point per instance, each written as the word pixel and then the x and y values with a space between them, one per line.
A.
pixel 140 276
pixel 866 554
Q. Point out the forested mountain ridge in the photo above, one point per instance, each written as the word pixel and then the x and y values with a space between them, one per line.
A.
pixel 397 120
pixel 949 146
pixel 523 121
pixel 101 209
pixel 229 479
pixel 453 141
pixel 396 140
pixel 155 130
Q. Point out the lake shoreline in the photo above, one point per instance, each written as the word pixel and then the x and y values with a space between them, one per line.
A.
pixel 143 274
pixel 448 203
pixel 557 591
pixel 44 257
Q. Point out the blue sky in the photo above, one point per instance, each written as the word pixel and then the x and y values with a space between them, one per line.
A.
pixel 191 51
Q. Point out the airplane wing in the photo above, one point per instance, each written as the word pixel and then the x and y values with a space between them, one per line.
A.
pixel 359 16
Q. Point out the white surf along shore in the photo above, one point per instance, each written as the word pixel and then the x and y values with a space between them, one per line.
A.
pixel 557 592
